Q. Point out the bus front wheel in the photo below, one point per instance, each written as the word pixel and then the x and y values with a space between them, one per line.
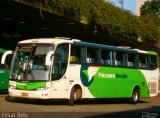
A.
pixel 135 96
pixel 76 93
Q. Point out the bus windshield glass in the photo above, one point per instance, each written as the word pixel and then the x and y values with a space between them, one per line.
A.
pixel 29 63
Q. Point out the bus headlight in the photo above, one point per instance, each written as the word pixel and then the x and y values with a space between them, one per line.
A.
pixel 42 89
pixel 12 87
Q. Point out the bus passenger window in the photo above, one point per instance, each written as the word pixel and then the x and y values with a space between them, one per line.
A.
pixel 106 57
pixel 131 60
pixel 119 59
pixel 152 62
pixel 75 54
pixel 142 61
pixel 91 56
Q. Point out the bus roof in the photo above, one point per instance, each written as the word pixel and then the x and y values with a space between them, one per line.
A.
pixel 46 41
pixel 58 40
pixel 120 48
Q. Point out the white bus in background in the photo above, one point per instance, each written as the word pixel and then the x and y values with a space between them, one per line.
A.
pixel 62 68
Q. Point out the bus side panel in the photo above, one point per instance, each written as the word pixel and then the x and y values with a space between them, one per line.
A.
pixel 74 76
pixel 4 79
pixel 59 88
pixel 111 82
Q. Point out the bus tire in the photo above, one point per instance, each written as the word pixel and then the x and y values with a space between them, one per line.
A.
pixel 135 96
pixel 76 94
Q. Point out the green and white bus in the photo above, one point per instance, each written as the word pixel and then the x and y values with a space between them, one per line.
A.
pixel 5 62
pixel 63 68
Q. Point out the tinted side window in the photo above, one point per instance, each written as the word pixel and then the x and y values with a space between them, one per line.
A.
pixel 75 54
pixel 119 58
pixel 152 61
pixel 142 61
pixel 132 60
pixel 92 55
pixel 106 57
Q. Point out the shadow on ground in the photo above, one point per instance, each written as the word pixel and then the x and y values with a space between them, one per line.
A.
pixel 3 92
pixel 65 102
pixel 151 112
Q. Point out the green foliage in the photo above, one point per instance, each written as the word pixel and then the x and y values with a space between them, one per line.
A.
pixel 150 12
pixel 151 9
pixel 112 19
pixel 149 30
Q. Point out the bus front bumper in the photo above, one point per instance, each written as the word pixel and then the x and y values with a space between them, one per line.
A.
pixel 29 94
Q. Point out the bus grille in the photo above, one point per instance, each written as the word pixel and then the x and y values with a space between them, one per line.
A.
pixel 152 87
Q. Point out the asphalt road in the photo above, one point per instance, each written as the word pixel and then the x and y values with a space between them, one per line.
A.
pixel 107 108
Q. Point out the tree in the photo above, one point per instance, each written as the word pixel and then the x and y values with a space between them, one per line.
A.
pixel 151 9
pixel 150 12
pixel 148 30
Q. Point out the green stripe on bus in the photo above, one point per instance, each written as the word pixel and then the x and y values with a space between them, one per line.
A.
pixel 110 82
pixel 30 85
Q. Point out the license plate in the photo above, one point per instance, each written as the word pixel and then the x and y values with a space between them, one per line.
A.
pixel 25 94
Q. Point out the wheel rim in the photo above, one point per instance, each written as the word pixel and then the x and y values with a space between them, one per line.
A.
pixel 75 95
pixel 135 96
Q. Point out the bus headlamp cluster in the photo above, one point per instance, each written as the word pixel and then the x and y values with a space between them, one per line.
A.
pixel 12 87
pixel 42 89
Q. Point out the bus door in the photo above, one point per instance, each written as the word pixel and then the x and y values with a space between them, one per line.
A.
pixel 4 69
pixel 59 67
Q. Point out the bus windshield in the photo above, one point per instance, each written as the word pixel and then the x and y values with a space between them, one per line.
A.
pixel 29 63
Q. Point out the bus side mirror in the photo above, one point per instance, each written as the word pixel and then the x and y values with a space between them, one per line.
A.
pixel 5 55
pixel 48 57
